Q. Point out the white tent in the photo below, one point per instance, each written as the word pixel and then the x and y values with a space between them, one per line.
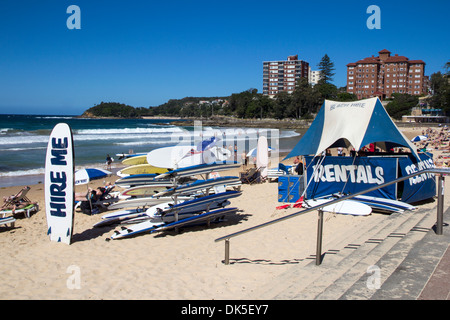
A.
pixel 356 123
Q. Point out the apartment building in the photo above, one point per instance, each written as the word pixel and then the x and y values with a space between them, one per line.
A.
pixel 281 76
pixel 314 76
pixel 385 74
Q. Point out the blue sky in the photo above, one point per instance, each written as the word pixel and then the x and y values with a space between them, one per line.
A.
pixel 144 53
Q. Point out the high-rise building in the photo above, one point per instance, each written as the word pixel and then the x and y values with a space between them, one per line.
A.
pixel 314 76
pixel 281 76
pixel 384 75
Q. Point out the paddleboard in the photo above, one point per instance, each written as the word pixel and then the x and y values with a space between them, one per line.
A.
pixel 167 157
pixel 59 184
pixel 262 156
pixel 349 207
pixel 135 160
pixel 146 190
pixel 199 185
pixel 142 202
pixel 140 169
pixel 199 169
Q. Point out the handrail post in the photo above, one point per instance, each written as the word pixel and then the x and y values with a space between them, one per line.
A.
pixel 227 251
pixel 440 206
pixel 319 237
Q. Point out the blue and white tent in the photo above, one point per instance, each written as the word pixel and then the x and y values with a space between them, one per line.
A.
pixel 356 123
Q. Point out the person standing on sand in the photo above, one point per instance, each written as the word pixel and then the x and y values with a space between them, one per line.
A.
pixel 108 162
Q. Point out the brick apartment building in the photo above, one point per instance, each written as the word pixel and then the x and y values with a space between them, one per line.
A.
pixel 384 75
pixel 283 75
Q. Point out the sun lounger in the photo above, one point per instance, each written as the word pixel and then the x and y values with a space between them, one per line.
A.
pixel 19 203
pixel 32 207
pixel 5 221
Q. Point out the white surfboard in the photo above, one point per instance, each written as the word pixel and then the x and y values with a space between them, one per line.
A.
pixel 141 202
pixel 262 156
pixel 349 207
pixel 59 184
pixel 167 157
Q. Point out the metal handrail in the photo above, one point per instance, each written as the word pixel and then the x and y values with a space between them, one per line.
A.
pixel 439 171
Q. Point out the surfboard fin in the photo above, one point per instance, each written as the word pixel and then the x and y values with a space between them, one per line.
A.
pixel 49 231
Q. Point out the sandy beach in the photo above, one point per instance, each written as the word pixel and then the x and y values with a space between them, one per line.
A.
pixel 166 266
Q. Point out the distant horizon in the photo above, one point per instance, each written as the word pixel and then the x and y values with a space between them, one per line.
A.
pixel 145 53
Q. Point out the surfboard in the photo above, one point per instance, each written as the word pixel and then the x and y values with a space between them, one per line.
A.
pixel 262 156
pixel 155 225
pixel 59 184
pixel 119 219
pixel 167 157
pixel 130 161
pixel 142 202
pixel 190 188
pixel 136 179
pixel 382 208
pixel 195 158
pixel 389 202
pixel 195 219
pixel 140 169
pixel 196 205
pixel 199 169
pixel 125 216
pixel 120 213
pixel 121 156
pixel 146 190
pixel 350 207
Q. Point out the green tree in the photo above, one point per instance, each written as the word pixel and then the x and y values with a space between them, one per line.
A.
pixel 326 68
pixel 401 105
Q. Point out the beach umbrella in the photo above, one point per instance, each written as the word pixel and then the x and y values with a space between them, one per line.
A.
pixel 253 152
pixel 83 176
pixel 419 138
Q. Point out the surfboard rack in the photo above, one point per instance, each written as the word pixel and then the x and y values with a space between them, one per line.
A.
pixel 439 223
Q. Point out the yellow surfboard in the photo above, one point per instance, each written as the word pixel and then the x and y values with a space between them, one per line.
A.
pixel 135 160
pixel 141 169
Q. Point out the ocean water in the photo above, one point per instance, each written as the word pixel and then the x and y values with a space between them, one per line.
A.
pixel 24 139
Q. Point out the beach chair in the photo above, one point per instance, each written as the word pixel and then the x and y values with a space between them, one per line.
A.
pixel 250 176
pixel 21 195
pixel 19 203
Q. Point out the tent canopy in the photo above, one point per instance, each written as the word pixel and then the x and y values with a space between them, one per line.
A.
pixel 356 123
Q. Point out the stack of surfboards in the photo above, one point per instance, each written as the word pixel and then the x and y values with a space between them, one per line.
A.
pixel 162 190
pixel 168 215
